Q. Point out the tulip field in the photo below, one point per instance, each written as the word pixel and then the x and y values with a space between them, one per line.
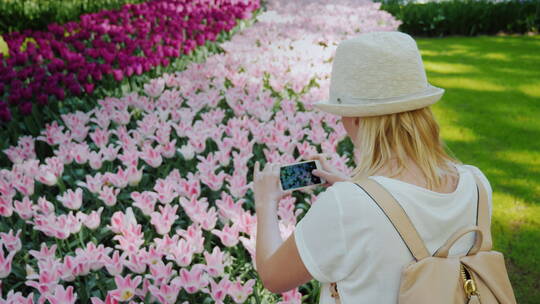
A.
pixel 147 197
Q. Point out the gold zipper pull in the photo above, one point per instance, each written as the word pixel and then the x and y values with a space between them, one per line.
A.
pixel 469 285
pixel 333 290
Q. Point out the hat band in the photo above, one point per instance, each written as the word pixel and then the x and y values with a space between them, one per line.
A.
pixel 344 99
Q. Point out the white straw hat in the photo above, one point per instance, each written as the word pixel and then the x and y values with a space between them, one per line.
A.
pixel 378 73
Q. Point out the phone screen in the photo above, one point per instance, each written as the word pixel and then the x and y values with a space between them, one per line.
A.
pixel 298 175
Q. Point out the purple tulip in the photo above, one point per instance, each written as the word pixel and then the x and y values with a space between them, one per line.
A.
pixel 14 98
pixel 75 89
pixel 26 108
pixel 42 100
pixel 96 75
pixel 118 74
pixel 5 114
pixel 88 88
pixel 60 94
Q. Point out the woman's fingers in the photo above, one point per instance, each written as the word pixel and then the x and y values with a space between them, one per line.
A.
pixel 322 160
pixel 322 173
pixel 276 169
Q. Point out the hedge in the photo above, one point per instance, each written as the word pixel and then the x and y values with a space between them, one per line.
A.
pixel 465 17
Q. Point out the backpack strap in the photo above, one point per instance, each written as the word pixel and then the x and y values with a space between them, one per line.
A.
pixel 397 216
pixel 482 214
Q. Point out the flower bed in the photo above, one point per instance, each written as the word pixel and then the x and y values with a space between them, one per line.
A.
pixel 37 14
pixel 148 197
pixel 74 58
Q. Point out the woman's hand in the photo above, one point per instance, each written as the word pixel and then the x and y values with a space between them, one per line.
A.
pixel 330 174
pixel 266 184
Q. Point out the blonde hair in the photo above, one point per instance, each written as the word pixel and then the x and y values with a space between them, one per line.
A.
pixel 412 135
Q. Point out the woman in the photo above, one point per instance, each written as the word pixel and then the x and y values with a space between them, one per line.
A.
pixel 379 87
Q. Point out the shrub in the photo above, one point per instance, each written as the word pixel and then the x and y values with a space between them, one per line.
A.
pixel 465 17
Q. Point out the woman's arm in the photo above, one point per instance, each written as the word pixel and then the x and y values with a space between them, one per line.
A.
pixel 278 263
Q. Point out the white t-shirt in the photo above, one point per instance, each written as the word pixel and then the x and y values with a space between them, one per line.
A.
pixel 346 238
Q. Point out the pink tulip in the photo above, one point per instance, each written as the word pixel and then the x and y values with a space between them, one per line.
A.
pixel 164 219
pixel 95 160
pixel 47 281
pixel 71 199
pixel 11 241
pixel 44 206
pixel 166 190
pixel 151 156
pixel 228 235
pixel 17 298
pixel 238 185
pixel 108 300
pixel 239 292
pixel 291 296
pixel 122 221
pixel 166 293
pixel 154 87
pixel 108 195
pixel 134 175
pixel 207 219
pixel 161 273
pixel 194 279
pixel 5 262
pixel 219 291
pixel 131 240
pixel 6 206
pixel 100 137
pixel 194 235
pixel 24 208
pixel 25 185
pixel 115 265
pixel 125 287
pixel 136 263
pixel 145 201
pixel 214 262
pixel 45 252
pixel 168 149
pixel 93 219
pixel 227 208
pixel 93 183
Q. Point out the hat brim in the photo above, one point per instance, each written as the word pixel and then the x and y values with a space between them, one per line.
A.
pixel 430 96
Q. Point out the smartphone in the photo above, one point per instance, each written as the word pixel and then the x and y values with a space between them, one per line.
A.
pixel 298 175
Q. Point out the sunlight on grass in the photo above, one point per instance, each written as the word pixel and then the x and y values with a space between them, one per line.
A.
pixel 526 157
pixel 508 208
pixel 468 83
pixel 531 89
pixel 456 133
pixel 449 68
pixel 425 52
pixel 452 131
pixel 498 56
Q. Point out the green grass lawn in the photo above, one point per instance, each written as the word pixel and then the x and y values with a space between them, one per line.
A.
pixel 490 118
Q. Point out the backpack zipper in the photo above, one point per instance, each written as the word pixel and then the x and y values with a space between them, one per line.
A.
pixel 469 285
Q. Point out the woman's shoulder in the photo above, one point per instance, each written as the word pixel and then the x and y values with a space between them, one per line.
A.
pixel 349 193
pixel 475 170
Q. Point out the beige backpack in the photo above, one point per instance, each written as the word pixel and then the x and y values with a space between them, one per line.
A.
pixel 480 276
